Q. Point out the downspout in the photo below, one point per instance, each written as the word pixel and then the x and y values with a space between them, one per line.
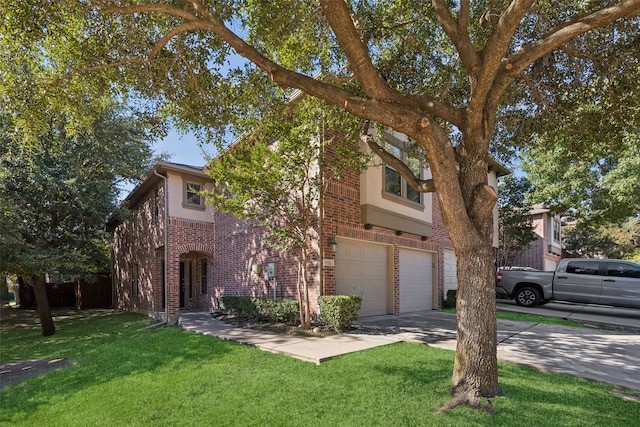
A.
pixel 320 234
pixel 165 216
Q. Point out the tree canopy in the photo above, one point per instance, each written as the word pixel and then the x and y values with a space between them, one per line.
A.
pixel 584 239
pixel 461 79
pixel 57 191
pixel 515 224
pixel 598 185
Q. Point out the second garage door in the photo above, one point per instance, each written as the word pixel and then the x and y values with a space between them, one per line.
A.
pixel 450 272
pixel 416 280
pixel 361 269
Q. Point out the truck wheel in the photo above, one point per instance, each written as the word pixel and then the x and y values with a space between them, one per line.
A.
pixel 527 297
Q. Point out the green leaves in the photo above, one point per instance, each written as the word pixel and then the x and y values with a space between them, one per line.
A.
pixel 276 174
pixel 600 183
pixel 59 189
pixel 515 230
pixel 622 241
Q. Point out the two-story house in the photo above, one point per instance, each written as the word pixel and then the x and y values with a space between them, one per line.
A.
pixel 378 238
pixel 545 252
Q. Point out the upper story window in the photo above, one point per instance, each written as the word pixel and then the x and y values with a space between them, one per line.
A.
pixel 192 197
pixel 136 222
pixel 394 183
pixel 555 224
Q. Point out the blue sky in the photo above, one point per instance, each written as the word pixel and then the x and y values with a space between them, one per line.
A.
pixel 183 149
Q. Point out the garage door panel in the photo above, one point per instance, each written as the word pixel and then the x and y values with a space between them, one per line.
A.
pixel 361 269
pixel 450 271
pixel 416 280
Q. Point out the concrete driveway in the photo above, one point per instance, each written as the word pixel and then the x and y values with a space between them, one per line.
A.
pixel 607 356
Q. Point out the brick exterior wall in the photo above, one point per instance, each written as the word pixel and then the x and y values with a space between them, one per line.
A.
pixel 342 219
pixel 191 243
pixel 231 247
pixel 138 245
pixel 135 246
pixel 241 244
pixel 537 252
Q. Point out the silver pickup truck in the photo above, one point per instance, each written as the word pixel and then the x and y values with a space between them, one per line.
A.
pixel 590 281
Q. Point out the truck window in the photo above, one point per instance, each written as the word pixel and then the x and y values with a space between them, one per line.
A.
pixel 620 269
pixel 583 267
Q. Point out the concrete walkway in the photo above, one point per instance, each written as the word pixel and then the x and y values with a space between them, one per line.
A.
pixel 310 349
pixel 610 357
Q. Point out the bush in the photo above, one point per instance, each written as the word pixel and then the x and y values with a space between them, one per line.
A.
pixel 450 302
pixel 240 306
pixel 338 311
pixel 285 310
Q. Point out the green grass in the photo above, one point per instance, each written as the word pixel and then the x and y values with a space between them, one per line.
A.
pixel 125 375
pixel 522 317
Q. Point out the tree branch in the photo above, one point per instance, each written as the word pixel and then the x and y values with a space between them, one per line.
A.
pixel 559 35
pixel 144 8
pixel 536 94
pixel 203 19
pixel 339 17
pixel 495 49
pixel 422 185
pixel 431 105
pixel 457 32
pixel 187 26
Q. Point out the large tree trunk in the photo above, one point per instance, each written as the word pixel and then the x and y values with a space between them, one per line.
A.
pixel 475 370
pixel 475 366
pixel 467 212
pixel 44 311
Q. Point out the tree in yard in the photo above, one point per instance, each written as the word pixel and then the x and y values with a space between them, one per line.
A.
pixel 515 224
pixel 582 239
pixel 57 191
pixel 598 186
pixel 277 176
pixel 586 160
pixel 449 75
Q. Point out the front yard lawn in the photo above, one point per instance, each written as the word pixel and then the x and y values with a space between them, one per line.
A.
pixel 125 375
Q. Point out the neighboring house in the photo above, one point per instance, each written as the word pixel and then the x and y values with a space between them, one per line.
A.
pixel 545 252
pixel 390 245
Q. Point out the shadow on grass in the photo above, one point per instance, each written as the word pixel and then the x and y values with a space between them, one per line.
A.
pixel 103 345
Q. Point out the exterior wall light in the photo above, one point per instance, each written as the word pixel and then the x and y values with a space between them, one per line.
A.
pixel 333 245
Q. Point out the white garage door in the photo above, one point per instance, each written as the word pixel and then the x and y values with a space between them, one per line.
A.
pixel 361 269
pixel 416 281
pixel 450 272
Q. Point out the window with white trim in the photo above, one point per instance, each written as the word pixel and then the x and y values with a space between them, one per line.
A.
pixel 394 183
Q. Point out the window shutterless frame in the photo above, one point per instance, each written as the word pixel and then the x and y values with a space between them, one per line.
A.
pixel 394 184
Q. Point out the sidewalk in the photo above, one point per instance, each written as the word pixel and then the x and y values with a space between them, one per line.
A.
pixel 310 349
